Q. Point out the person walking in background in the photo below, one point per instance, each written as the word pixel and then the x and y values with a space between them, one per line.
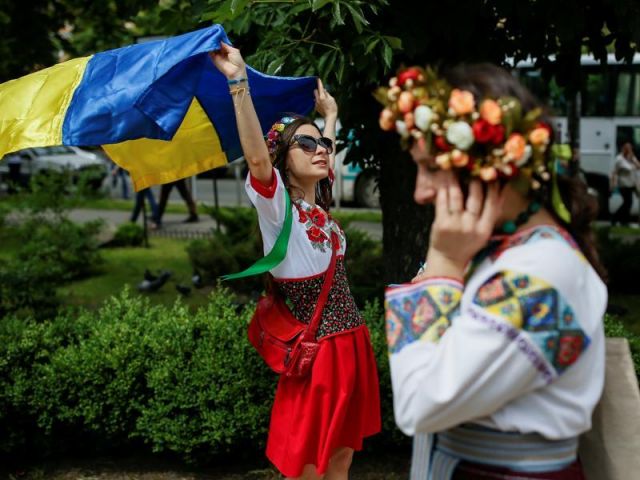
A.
pixel 624 178
pixel 137 207
pixel 185 193
pixel 117 171
pixel 15 177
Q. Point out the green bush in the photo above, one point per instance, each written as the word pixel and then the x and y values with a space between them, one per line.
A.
pixel 365 267
pixel 69 249
pixel 133 374
pixel 613 327
pixel 28 288
pixel 177 381
pixel 621 259
pixel 221 255
pixel 128 235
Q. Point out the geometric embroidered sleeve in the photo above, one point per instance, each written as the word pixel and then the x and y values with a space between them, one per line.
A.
pixel 420 311
pixel 534 307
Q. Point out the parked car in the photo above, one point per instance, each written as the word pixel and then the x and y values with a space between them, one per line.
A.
pixel 44 160
pixel 353 184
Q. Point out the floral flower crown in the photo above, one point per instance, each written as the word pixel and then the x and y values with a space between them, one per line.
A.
pixel 274 135
pixel 490 137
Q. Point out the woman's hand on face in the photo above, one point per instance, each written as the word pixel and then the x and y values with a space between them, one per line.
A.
pixel 420 154
pixel 461 229
pixel 229 61
pixel 325 104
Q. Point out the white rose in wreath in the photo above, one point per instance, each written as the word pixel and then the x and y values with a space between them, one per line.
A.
pixel 460 135
pixel 423 117
pixel 402 129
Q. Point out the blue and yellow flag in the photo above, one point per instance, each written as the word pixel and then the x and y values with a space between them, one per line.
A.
pixel 161 110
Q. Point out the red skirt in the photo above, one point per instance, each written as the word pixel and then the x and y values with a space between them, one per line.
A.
pixel 337 405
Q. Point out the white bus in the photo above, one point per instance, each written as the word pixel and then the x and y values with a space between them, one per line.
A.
pixel 610 115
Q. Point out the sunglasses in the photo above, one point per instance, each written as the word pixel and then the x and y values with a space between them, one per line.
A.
pixel 309 144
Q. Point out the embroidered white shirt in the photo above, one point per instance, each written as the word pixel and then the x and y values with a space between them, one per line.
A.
pixel 309 249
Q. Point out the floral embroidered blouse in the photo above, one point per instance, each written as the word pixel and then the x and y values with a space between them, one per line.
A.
pixel 301 273
pixel 519 347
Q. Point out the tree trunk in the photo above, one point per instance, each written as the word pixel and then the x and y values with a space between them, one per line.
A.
pixel 405 224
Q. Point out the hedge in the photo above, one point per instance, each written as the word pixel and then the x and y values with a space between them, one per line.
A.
pixel 136 375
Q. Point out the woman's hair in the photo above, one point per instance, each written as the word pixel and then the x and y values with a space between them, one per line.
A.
pixel 487 80
pixel 279 159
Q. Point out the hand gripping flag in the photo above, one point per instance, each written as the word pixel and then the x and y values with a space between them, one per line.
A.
pixel 161 110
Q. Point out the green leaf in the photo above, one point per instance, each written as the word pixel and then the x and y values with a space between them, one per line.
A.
pixel 318 4
pixel 323 61
pixel 340 69
pixel 387 55
pixel 337 16
pixel 358 17
pixel 371 46
pixel 274 66
pixel 394 42
pixel 237 6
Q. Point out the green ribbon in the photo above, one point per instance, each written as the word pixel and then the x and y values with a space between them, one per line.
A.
pixel 560 152
pixel 277 253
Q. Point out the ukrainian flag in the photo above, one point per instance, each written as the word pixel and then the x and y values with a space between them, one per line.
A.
pixel 161 110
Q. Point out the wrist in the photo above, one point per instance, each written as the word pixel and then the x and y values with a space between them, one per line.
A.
pixel 242 73
pixel 441 265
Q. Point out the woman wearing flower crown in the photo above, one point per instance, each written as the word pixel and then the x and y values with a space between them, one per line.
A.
pixel 317 421
pixel 497 345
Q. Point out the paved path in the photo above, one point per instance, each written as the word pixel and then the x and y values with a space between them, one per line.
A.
pixel 173 226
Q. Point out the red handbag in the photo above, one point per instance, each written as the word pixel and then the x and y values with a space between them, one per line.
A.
pixel 286 344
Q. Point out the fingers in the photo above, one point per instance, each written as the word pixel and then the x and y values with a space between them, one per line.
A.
pixel 491 208
pixel 455 197
pixel 474 199
pixel 442 203
pixel 225 47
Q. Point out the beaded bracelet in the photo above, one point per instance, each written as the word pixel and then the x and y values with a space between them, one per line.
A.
pixel 235 81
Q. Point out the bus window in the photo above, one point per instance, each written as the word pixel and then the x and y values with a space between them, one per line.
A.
pixel 596 98
pixel 547 91
pixel 628 95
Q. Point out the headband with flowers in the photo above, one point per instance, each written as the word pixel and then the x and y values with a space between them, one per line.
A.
pixel 274 135
pixel 490 137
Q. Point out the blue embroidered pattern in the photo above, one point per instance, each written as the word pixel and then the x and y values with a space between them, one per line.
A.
pixel 421 311
pixel 532 305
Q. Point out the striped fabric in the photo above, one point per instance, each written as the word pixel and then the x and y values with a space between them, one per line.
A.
pixel 161 109
pixel 436 457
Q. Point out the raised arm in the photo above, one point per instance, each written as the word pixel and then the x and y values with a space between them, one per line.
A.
pixel 231 64
pixel 328 108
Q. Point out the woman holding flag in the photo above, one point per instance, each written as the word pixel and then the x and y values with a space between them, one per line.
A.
pixel 318 420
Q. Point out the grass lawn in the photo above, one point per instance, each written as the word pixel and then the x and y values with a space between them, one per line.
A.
pixel 126 266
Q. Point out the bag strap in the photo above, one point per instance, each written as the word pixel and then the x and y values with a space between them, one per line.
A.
pixel 312 329
pixel 278 251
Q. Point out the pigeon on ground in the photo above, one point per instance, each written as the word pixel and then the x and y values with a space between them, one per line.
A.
pixel 196 279
pixel 149 276
pixel 153 285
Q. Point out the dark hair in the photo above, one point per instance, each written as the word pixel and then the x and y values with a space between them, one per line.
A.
pixel 323 187
pixel 487 80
